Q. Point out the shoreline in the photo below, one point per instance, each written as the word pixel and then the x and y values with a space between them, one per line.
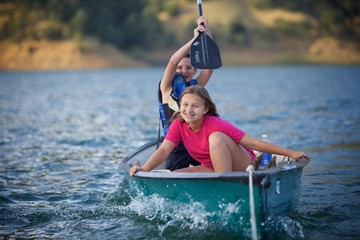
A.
pixel 66 56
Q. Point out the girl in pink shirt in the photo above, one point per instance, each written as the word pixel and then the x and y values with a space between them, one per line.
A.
pixel 215 143
pixel 197 143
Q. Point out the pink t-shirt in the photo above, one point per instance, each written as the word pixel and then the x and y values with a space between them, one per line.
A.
pixel 197 143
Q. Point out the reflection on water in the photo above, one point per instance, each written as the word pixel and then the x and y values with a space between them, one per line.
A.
pixel 63 134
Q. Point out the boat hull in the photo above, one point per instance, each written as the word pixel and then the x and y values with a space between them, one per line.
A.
pixel 275 189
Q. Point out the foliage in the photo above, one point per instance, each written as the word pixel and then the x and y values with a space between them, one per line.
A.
pixel 136 23
pixel 122 23
pixel 337 18
pixel 238 33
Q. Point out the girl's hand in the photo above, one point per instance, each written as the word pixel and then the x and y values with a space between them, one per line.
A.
pixel 298 155
pixel 135 169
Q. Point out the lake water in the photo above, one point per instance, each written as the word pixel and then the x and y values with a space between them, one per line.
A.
pixel 63 134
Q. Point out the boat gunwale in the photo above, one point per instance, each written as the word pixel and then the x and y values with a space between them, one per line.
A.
pixel 240 176
pixel 236 177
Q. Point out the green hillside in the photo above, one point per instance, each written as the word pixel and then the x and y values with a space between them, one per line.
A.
pixel 146 32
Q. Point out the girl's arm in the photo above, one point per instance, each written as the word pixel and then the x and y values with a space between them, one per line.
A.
pixel 159 156
pixel 262 146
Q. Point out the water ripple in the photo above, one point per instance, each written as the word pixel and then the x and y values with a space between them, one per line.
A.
pixel 63 134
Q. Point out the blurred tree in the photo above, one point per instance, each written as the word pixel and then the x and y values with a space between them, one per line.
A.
pixel 136 23
pixel 125 24
pixel 77 24
pixel 338 18
pixel 238 33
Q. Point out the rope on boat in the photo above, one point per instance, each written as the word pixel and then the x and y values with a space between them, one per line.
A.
pixel 250 170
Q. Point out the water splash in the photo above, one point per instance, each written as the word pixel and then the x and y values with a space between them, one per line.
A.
pixel 281 226
pixel 170 214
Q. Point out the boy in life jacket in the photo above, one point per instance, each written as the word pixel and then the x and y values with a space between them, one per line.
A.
pixel 179 74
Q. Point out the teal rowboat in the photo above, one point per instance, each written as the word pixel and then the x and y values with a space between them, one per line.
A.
pixel 275 189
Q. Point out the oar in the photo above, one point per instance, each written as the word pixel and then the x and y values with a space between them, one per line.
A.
pixel 204 52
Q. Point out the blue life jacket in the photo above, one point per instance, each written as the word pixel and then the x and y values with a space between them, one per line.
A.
pixel 178 86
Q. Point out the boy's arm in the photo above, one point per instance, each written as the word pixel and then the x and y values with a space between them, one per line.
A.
pixel 166 81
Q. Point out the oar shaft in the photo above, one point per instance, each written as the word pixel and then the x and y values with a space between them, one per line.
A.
pixel 203 38
pixel 200 7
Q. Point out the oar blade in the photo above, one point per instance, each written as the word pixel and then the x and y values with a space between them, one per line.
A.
pixel 205 53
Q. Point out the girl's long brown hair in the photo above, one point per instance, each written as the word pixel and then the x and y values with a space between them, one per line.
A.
pixel 202 93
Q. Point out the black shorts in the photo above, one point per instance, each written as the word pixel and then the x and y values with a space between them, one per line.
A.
pixel 180 158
